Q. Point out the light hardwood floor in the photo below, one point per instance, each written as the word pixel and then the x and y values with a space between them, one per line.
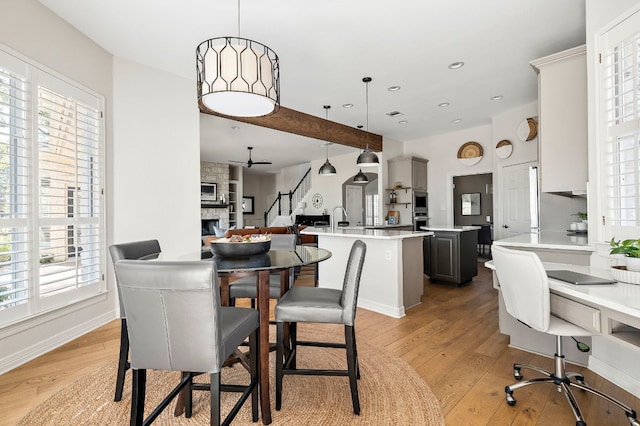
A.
pixel 451 340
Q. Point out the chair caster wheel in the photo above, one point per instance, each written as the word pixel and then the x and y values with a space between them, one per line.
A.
pixel 580 423
pixel 516 374
pixel 509 396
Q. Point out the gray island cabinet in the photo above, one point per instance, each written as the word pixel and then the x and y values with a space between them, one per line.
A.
pixel 451 254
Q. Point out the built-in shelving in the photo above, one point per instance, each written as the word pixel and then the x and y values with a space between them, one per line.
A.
pixel 233 203
pixel 398 204
pixel 405 188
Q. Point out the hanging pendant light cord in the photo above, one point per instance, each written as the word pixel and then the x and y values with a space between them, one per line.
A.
pixel 367 102
pixel 238 18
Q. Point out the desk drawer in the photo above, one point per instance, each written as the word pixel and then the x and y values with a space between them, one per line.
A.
pixel 576 313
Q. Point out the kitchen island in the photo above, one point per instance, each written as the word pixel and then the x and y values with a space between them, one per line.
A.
pixel 392 280
pixel 451 255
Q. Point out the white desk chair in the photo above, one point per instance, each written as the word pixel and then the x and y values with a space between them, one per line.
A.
pixel 525 290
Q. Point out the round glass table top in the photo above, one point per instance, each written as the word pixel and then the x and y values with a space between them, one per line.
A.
pixel 273 259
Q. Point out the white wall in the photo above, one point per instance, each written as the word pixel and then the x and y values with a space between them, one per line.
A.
pixel 152 171
pixel 260 187
pixel 35 32
pixel 441 151
pixel 156 188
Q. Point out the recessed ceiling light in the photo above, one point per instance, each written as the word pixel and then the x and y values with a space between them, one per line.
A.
pixel 235 127
pixel 394 114
pixel 443 104
pixel 393 88
pixel 457 120
pixel 403 121
pixel 456 65
pixel 496 97
pixel 347 105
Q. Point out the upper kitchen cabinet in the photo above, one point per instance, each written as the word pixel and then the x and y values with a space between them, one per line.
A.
pixel 562 133
pixel 409 171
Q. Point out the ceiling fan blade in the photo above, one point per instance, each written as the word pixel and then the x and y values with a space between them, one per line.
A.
pixel 236 161
pixel 262 162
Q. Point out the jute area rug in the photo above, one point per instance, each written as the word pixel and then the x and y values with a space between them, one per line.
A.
pixel 390 391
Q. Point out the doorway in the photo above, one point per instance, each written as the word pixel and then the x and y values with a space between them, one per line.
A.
pixel 473 199
pixel 361 201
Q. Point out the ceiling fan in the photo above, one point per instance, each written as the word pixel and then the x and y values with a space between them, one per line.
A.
pixel 251 162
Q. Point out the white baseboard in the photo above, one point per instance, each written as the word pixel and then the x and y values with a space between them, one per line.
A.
pixel 50 343
pixel 615 376
pixel 380 308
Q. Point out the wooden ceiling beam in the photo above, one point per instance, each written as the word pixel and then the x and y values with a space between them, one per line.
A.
pixel 299 123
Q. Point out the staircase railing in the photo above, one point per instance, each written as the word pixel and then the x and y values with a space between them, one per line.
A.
pixel 287 201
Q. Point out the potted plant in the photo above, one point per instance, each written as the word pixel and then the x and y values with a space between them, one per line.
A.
pixel 582 215
pixel 631 251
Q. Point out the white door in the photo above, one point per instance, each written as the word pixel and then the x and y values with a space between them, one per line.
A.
pixel 519 200
pixel 354 206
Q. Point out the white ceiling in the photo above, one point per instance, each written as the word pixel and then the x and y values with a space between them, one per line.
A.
pixel 326 47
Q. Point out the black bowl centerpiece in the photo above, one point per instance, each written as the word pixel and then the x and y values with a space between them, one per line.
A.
pixel 241 245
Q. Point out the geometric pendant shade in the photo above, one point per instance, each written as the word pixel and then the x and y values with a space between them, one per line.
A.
pixel 237 77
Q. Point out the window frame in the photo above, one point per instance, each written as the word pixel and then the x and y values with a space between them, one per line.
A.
pixel 36 76
pixel 614 34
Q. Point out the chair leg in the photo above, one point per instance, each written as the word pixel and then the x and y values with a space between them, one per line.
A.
pixel 355 348
pixel 279 362
pixel 139 384
pixel 123 359
pixel 215 399
pixel 293 344
pixel 188 394
pixel 254 366
pixel 352 366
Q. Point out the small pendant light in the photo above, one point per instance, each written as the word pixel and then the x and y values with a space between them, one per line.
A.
pixel 327 168
pixel 368 158
pixel 360 178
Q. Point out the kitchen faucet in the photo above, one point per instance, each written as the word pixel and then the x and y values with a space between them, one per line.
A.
pixel 333 221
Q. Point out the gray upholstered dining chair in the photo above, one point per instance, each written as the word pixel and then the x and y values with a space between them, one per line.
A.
pixel 321 305
pixel 136 250
pixel 245 287
pixel 525 290
pixel 176 323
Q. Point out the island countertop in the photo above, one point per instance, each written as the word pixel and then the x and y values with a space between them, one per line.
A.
pixel 557 240
pixel 362 232
pixel 450 228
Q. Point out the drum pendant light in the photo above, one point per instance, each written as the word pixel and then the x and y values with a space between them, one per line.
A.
pixel 327 168
pixel 368 158
pixel 237 77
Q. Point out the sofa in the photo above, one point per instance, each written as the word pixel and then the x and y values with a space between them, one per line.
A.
pixel 306 239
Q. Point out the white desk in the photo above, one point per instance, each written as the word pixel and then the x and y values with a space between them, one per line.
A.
pixel 611 312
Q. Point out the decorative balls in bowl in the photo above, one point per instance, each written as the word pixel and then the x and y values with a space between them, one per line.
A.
pixel 241 245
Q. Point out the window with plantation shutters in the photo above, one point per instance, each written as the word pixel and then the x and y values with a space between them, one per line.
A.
pixel 51 202
pixel 620 126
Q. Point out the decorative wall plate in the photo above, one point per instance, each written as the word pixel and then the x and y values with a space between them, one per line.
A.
pixel 528 129
pixel 504 148
pixel 470 153
pixel 316 200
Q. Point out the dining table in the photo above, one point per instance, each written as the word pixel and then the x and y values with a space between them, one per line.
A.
pixel 284 262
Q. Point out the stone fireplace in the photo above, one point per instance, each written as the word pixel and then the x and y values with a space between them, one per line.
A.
pixel 207 226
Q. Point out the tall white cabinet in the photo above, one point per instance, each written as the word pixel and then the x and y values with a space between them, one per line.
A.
pixel 562 133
